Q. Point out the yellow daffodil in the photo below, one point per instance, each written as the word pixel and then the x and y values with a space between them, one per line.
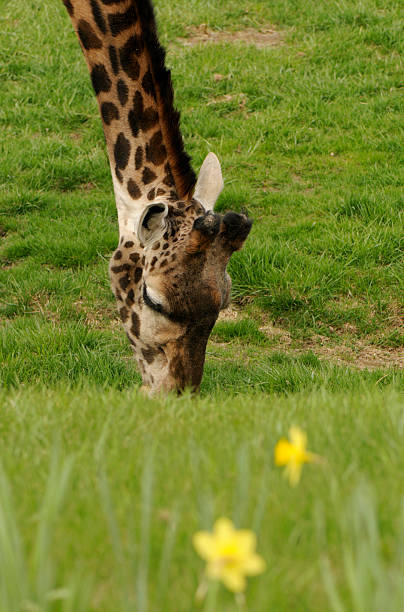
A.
pixel 229 553
pixel 292 453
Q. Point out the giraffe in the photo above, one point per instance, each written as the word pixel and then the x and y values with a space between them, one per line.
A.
pixel 168 273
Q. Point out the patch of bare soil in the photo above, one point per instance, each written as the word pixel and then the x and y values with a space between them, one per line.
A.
pixel 8 265
pixel 99 318
pixel 76 136
pixel 358 353
pixel 265 37
pixel 87 186
pixel 40 304
pixel 239 97
pixel 229 314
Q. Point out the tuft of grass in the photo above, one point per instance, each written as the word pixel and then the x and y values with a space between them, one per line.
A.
pixel 371 579
pixel 34 352
pixel 31 581
pixel 246 329
pixel 394 339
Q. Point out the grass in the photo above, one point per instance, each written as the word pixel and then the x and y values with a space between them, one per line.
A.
pixel 101 489
pixel 135 498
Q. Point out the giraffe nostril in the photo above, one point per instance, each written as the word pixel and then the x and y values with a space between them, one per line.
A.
pixel 209 224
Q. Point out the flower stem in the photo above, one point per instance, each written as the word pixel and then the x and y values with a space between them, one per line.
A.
pixel 211 599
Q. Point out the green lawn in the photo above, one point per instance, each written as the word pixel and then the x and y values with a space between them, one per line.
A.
pixel 108 487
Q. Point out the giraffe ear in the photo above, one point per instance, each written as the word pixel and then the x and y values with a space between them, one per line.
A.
pixel 152 223
pixel 210 182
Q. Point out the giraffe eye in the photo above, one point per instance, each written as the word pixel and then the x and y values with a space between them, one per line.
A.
pixel 179 318
pixel 151 302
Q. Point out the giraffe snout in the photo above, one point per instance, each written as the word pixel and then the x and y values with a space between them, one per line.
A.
pixel 235 229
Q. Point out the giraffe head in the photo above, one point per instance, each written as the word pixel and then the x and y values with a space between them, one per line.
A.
pixel 170 281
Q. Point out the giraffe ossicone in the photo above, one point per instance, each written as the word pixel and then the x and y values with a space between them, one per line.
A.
pixel 210 182
pixel 168 273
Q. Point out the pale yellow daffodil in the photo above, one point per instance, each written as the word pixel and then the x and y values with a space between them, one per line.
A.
pixel 229 553
pixel 292 453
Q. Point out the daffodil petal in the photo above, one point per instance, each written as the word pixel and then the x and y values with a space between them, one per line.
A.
pixel 247 541
pixel 293 471
pixel 204 544
pixel 312 457
pixel 298 438
pixel 254 565
pixel 283 452
pixel 234 580
pixel 223 528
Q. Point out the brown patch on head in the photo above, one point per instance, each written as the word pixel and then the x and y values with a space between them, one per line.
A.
pixel 124 282
pixel 149 354
pixel 169 179
pixel 134 190
pixel 137 275
pixel 121 268
pixel 130 298
pixel 135 329
pixel 124 313
pixel 139 158
pixel 148 175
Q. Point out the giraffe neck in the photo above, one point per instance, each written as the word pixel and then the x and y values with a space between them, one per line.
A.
pixel 135 97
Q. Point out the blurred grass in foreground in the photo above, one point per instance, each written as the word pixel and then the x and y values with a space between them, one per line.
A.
pixel 147 473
